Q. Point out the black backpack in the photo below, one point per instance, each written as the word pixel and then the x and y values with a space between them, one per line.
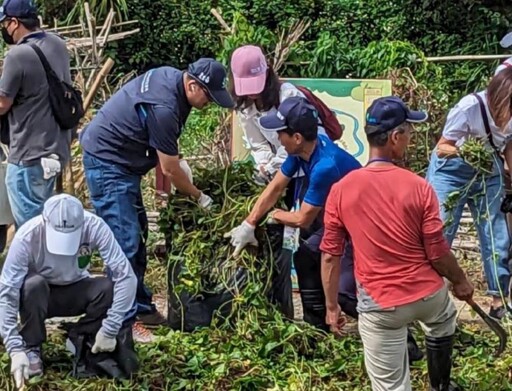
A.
pixel 65 100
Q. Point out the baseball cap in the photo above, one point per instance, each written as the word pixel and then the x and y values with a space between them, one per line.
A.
pixel 294 113
pixel 211 74
pixel 63 216
pixel 388 112
pixel 249 69
pixel 18 9
pixel 506 41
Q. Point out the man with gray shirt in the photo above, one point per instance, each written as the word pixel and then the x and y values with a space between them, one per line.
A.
pixel 46 275
pixel 38 147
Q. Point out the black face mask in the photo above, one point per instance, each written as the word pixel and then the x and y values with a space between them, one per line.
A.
pixel 8 39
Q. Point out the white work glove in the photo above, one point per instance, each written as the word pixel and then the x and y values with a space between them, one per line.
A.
pixel 19 368
pixel 241 236
pixel 205 201
pixel 51 166
pixel 102 343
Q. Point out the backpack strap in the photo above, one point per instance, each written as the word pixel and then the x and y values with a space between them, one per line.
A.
pixel 485 118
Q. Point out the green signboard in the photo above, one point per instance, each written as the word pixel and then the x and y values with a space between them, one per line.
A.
pixel 348 98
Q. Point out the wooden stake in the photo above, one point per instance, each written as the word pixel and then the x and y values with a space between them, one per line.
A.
pixel 221 20
pixel 104 71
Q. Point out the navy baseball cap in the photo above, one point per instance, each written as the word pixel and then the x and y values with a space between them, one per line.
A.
pixel 294 113
pixel 388 112
pixel 506 41
pixel 212 75
pixel 18 9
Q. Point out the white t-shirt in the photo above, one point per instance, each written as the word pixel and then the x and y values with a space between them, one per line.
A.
pixel 28 255
pixel 465 119
pixel 265 147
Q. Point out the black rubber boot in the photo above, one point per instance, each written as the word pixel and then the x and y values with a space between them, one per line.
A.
pixel 415 353
pixel 439 362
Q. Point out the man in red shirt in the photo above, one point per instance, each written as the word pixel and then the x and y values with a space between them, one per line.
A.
pixel 400 255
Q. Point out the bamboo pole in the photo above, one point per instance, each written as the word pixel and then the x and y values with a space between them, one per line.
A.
pixel 105 70
pixel 467 57
pixel 91 23
pixel 102 74
pixel 221 20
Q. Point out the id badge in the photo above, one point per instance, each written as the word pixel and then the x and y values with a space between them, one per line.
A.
pixel 291 235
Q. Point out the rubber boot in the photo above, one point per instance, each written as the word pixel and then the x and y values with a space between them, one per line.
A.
pixel 439 362
pixel 313 307
pixel 415 353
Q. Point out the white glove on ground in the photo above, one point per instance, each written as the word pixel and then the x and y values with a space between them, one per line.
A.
pixel 103 343
pixel 19 368
pixel 205 201
pixel 241 236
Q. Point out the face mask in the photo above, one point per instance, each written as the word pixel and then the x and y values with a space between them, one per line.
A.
pixel 8 39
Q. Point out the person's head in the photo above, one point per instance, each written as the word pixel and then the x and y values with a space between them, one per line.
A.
pixel 499 98
pixel 389 125
pixel 296 122
pixel 63 217
pixel 17 19
pixel 205 82
pixel 252 79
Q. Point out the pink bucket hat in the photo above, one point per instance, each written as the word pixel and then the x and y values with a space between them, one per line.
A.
pixel 249 68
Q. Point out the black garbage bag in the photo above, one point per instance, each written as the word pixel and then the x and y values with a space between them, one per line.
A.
pixel 186 312
pixel 119 364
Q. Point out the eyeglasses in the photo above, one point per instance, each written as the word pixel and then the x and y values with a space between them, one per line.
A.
pixel 208 96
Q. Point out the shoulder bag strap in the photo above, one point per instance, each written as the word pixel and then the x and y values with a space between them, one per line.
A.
pixel 485 118
pixel 46 65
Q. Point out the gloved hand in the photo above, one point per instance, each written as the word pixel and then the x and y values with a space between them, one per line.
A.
pixel 102 343
pixel 51 166
pixel 205 201
pixel 506 205
pixel 19 367
pixel 241 236
pixel 261 177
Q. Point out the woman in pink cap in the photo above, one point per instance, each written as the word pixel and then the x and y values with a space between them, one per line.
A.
pixel 257 91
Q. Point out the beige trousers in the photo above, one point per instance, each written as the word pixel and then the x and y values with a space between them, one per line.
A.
pixel 384 336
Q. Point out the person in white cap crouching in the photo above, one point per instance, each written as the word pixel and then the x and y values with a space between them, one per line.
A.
pixel 46 275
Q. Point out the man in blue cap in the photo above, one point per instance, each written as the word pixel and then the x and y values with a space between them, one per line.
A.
pixel 38 146
pixel 137 128
pixel 324 163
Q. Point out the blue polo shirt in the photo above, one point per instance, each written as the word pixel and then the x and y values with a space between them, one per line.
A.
pixel 147 114
pixel 327 165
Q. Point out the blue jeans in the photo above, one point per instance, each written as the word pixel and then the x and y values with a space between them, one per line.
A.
pixel 117 199
pixel 27 190
pixel 483 196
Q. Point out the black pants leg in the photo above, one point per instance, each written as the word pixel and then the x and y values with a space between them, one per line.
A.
pixel 308 267
pixel 281 290
pixel 40 300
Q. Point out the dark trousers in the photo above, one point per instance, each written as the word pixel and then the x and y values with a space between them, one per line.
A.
pixel 117 199
pixel 308 266
pixel 40 301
